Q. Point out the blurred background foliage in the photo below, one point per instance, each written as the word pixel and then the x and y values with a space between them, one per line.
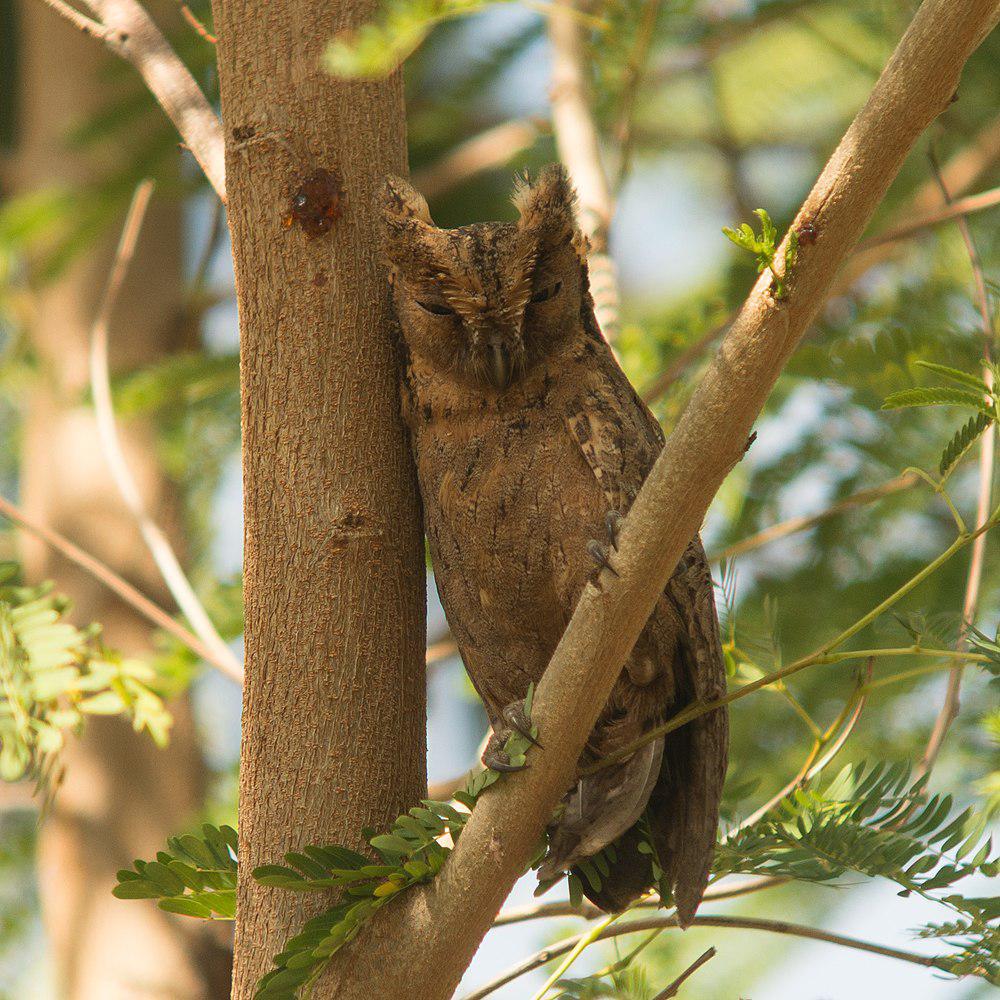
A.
pixel 706 110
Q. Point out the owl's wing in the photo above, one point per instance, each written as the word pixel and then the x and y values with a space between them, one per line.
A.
pixel 620 439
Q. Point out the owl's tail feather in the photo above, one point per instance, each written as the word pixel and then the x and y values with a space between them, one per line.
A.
pixel 602 807
pixel 685 774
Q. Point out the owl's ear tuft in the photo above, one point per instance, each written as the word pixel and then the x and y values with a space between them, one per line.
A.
pixel 406 222
pixel 548 206
pixel 401 202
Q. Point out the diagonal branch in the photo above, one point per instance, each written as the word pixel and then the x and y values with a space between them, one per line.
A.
pixel 796 524
pixel 674 988
pixel 430 936
pixel 100 384
pixel 128 30
pixel 97 569
pixel 553 951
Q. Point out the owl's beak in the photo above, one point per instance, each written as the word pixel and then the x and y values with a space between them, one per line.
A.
pixel 500 369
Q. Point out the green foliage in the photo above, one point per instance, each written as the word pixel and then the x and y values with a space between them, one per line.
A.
pixel 871 820
pixel 621 984
pixel 965 437
pixel 977 940
pixel 53 675
pixel 974 394
pixel 765 248
pixel 195 876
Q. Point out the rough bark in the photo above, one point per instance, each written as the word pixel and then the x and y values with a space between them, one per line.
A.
pixel 333 711
pixel 122 795
pixel 429 937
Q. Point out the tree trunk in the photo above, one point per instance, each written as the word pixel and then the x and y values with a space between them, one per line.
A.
pixel 333 710
pixel 122 796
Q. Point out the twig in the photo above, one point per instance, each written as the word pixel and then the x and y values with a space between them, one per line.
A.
pixel 196 23
pixel 585 941
pixel 842 726
pixel 949 709
pixel 126 28
pixel 796 524
pixel 431 934
pixel 579 147
pixel 546 955
pixel 673 989
pixel 100 383
pixel 957 209
pixel 564 908
pixel 630 90
pixel 823 655
pixel 442 650
pixel 97 569
pixel 679 365
pixel 80 20
pixel 490 149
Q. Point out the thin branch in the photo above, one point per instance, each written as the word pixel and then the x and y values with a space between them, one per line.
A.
pixel 564 908
pixel 579 146
pixel 797 524
pixel 634 71
pixel 957 209
pixel 674 988
pixel 585 941
pixel 126 28
pixel 78 19
pixel 658 387
pixel 97 569
pixel 546 955
pixel 195 23
pixel 823 655
pixel 100 383
pixel 949 709
pixel 430 936
pixel 839 732
pixel 486 151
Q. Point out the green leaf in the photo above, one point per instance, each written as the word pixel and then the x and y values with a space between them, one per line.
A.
pixel 185 906
pixel 936 395
pixel 960 444
pixel 955 375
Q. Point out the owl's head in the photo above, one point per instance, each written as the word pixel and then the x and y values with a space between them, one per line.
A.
pixel 484 303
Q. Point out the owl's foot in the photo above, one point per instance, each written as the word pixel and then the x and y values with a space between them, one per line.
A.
pixel 511 738
pixel 517 718
pixel 613 522
pixel 496 758
pixel 599 554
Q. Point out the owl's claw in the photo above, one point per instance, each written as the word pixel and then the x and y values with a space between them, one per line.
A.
pixel 515 717
pixel 495 757
pixel 613 522
pixel 599 554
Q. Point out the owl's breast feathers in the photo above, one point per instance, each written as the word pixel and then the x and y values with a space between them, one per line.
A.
pixel 514 486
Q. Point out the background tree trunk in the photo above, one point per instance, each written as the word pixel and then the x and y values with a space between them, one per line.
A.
pixel 333 710
pixel 122 796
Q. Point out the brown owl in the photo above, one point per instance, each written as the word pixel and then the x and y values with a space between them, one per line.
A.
pixel 530 443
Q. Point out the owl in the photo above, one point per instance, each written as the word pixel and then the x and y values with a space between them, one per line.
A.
pixel 530 444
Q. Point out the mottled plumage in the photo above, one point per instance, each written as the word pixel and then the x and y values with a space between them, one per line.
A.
pixel 526 434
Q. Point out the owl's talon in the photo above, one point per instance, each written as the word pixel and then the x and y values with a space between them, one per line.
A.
pixel 515 717
pixel 613 522
pixel 600 556
pixel 495 757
